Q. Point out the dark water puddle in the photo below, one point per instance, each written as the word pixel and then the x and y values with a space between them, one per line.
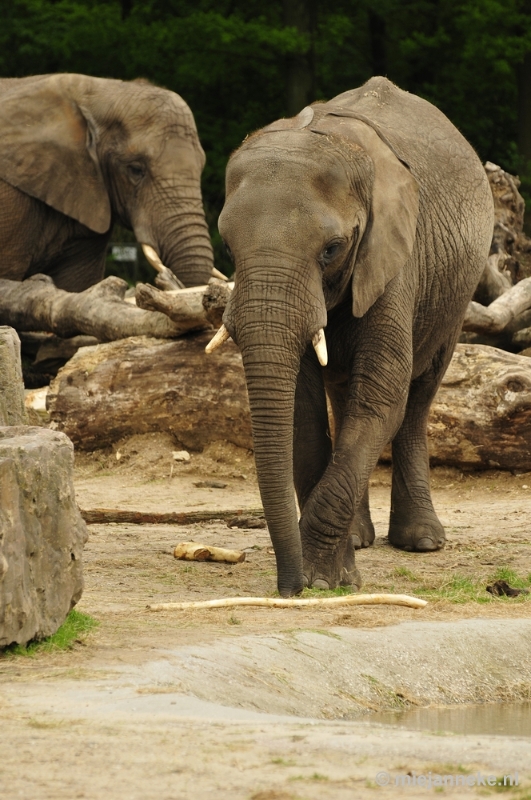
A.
pixel 501 719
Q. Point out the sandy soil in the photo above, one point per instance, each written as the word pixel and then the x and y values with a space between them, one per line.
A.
pixel 255 703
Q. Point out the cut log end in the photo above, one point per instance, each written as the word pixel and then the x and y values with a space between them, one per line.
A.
pixel 193 551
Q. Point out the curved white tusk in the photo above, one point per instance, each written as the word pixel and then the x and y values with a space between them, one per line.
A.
pixel 221 336
pixel 319 343
pixel 153 257
pixel 217 274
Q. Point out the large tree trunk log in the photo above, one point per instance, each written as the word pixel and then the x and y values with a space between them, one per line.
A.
pixel 481 416
pixel 37 305
pixel 140 385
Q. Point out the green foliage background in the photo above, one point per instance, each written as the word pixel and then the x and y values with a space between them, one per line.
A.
pixel 228 58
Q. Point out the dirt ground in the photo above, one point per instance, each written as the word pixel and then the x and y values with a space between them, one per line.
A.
pixel 258 703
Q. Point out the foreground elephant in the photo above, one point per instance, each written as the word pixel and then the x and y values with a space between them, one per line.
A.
pixel 372 216
pixel 79 153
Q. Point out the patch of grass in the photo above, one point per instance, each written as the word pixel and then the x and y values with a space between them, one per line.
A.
pixel 282 762
pixel 404 572
pixel 462 589
pixel 512 577
pixel 232 620
pixel 71 631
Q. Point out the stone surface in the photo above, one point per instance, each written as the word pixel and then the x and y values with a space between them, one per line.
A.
pixel 12 411
pixel 41 533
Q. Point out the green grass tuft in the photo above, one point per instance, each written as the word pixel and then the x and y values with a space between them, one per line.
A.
pixel 462 589
pixel 75 625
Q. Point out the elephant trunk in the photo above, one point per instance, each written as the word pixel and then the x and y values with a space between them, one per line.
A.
pixel 272 337
pixel 181 240
pixel 271 376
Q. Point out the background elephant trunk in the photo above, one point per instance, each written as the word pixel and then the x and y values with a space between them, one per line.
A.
pixel 181 240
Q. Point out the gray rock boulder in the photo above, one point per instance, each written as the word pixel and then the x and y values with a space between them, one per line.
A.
pixel 41 533
pixel 41 530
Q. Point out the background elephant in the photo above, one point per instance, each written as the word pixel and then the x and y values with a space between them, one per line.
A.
pixel 371 215
pixel 79 153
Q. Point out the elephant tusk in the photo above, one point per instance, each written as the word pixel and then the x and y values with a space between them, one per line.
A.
pixel 217 274
pixel 221 336
pixel 319 343
pixel 153 257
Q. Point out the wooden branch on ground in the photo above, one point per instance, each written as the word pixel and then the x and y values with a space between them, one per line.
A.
pixel 96 516
pixel 193 551
pixel 38 305
pixel 296 602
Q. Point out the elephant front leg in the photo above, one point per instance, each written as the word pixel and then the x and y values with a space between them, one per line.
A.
pixel 413 523
pixel 312 452
pixel 330 513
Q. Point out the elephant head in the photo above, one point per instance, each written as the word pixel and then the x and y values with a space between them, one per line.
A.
pixel 100 151
pixel 319 212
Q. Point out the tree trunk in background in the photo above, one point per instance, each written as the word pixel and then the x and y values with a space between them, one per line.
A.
pixel 300 78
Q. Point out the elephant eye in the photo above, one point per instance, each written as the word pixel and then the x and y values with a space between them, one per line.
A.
pixel 330 252
pixel 136 172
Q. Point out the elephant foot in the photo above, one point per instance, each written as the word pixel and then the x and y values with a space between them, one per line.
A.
pixel 420 535
pixel 362 530
pixel 329 569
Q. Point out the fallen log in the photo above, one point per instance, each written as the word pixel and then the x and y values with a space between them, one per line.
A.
pixel 198 307
pixel 140 385
pixel 98 516
pixel 38 305
pixel 193 551
pixel 184 306
pixel 481 416
pixel 296 602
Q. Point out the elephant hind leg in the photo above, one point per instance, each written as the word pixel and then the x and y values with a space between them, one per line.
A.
pixel 413 523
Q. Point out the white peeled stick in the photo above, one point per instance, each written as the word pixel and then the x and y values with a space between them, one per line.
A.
pixel 296 602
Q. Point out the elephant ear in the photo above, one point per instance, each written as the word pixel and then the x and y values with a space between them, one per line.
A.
pixel 48 151
pixel 390 232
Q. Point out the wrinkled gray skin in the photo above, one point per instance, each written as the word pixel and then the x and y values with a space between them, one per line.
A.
pixel 372 216
pixel 79 153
